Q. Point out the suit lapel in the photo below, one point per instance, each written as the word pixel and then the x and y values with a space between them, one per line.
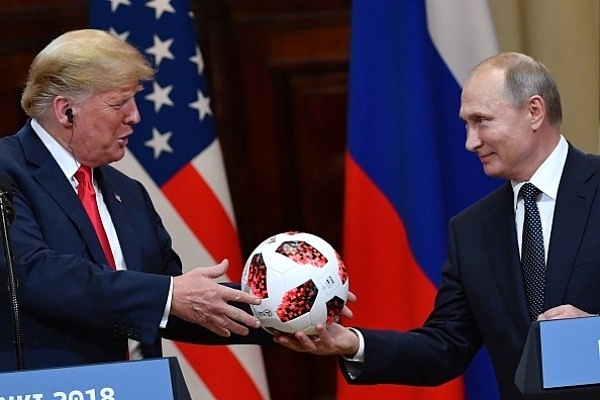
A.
pixel 50 177
pixel 121 216
pixel 501 237
pixel 576 193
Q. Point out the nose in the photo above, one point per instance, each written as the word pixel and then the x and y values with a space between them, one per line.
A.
pixel 133 115
pixel 473 141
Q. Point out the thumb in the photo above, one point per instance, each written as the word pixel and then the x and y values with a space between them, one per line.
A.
pixel 216 271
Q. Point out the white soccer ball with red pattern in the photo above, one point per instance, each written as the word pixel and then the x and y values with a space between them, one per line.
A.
pixel 301 280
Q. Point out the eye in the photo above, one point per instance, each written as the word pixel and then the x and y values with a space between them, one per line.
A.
pixel 120 104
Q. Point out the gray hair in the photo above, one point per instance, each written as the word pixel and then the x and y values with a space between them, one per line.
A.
pixel 526 77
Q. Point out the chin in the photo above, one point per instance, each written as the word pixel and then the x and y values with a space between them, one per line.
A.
pixel 116 157
pixel 492 172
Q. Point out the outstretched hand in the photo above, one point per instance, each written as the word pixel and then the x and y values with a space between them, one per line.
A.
pixel 332 339
pixel 198 298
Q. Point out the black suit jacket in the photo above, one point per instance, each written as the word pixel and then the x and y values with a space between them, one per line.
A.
pixel 481 299
pixel 74 309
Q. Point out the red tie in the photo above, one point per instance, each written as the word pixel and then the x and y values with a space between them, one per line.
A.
pixel 87 195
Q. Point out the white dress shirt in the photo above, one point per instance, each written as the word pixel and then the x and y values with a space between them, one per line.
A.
pixel 546 179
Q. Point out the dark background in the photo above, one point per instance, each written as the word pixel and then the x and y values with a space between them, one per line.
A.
pixel 278 75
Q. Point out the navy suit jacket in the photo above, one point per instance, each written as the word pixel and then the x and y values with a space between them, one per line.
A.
pixel 74 309
pixel 481 299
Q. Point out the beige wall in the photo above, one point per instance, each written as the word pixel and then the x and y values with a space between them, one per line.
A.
pixel 564 35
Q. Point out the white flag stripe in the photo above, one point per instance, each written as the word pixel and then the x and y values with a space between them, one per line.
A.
pixel 185 243
pixel 463 34
pixel 209 165
pixel 254 365
pixel 194 254
pixel 198 390
pixel 245 353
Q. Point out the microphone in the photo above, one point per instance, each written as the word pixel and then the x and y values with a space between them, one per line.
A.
pixel 6 207
pixel 7 216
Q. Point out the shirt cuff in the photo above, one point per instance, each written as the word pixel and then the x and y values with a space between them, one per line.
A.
pixel 165 318
pixel 360 353
pixel 354 364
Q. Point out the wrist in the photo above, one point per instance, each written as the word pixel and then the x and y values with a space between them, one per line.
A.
pixel 355 350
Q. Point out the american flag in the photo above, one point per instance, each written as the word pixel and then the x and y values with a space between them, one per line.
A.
pixel 174 152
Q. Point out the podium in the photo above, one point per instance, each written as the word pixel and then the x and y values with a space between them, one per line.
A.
pixel 159 378
pixel 561 360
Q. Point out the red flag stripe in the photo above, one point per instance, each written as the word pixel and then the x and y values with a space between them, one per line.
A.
pixel 233 383
pixel 390 270
pixel 215 231
pixel 204 214
pixel 378 276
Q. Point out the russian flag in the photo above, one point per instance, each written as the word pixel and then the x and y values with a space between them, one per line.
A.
pixel 407 171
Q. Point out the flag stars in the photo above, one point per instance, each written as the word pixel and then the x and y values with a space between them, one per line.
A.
pixel 123 36
pixel 202 105
pixel 161 6
pixel 160 50
pixel 159 142
pixel 160 96
pixel 198 60
pixel 114 4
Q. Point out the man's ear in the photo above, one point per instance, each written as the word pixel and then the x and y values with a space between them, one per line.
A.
pixel 537 111
pixel 63 112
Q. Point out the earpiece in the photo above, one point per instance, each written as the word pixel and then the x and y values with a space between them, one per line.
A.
pixel 69 114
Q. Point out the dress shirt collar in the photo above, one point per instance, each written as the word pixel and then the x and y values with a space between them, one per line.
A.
pixel 67 163
pixel 547 177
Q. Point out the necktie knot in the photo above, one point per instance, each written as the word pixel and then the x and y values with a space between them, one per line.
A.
pixel 84 180
pixel 529 191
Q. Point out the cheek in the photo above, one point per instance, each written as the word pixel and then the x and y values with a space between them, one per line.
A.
pixel 515 153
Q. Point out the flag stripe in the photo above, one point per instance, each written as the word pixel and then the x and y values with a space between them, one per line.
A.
pixel 196 387
pixel 189 193
pixel 379 243
pixel 191 250
pixel 209 165
pixel 218 380
pixel 188 247
pixel 387 235
pixel 461 45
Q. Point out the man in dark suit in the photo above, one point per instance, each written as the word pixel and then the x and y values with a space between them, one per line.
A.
pixel 512 112
pixel 78 303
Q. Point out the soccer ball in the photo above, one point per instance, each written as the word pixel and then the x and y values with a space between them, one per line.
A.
pixel 301 280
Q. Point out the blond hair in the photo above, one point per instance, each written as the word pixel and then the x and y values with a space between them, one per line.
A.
pixel 79 63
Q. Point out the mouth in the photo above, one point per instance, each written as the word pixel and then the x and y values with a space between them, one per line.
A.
pixel 123 140
pixel 484 157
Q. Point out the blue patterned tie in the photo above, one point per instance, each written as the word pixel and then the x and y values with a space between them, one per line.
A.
pixel 533 261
